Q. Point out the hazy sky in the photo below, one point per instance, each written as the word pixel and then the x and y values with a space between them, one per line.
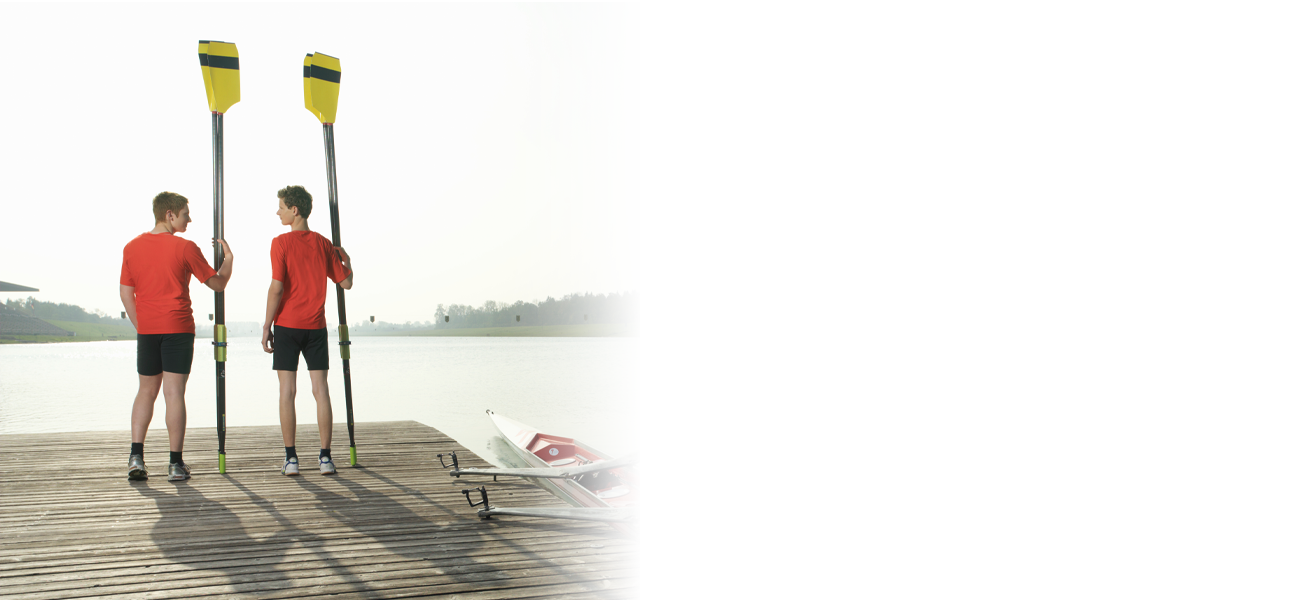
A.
pixel 483 151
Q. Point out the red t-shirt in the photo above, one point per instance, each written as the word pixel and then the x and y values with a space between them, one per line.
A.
pixel 157 266
pixel 303 261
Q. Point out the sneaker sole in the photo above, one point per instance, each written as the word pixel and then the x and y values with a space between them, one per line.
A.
pixel 137 476
pixel 184 478
pixel 327 472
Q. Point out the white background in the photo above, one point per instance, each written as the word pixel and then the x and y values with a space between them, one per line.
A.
pixel 1015 295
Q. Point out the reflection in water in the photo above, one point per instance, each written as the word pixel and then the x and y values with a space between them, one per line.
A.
pixel 504 453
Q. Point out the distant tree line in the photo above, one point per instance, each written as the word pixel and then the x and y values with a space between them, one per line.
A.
pixel 571 309
pixel 32 307
pixel 365 327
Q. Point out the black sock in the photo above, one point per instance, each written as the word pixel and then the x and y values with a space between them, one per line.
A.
pixel 291 453
pixel 324 452
pixel 136 448
pixel 176 458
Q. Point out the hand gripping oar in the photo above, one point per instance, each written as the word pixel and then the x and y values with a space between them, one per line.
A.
pixel 223 90
pixel 322 91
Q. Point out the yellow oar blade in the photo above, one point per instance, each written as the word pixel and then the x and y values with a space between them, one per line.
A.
pixel 324 86
pixel 202 55
pixel 225 84
pixel 309 100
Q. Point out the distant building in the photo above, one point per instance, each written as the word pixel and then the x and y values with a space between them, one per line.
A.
pixel 5 286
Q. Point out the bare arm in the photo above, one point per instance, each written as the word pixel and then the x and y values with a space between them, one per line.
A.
pixel 345 260
pixel 271 311
pixel 219 280
pixel 127 300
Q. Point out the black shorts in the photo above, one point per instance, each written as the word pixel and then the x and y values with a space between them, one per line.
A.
pixel 169 352
pixel 289 343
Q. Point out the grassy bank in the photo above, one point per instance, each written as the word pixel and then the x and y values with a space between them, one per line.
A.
pixel 85 332
pixel 594 330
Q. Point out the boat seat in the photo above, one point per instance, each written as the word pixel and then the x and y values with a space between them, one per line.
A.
pixel 562 462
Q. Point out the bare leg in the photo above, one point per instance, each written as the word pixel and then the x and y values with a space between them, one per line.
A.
pixel 173 386
pixel 141 415
pixel 287 406
pixel 322 394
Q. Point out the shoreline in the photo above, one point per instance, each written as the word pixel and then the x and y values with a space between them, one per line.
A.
pixel 91 332
pixel 85 332
pixel 591 330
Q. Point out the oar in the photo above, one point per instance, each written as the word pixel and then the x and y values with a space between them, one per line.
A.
pixel 322 91
pixel 223 90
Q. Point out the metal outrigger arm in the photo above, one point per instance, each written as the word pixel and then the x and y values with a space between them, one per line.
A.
pixel 548 472
pixel 604 515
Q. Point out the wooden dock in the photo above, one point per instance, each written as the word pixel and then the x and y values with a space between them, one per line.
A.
pixel 397 526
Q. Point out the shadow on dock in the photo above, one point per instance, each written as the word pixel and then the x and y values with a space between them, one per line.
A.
pixel 396 527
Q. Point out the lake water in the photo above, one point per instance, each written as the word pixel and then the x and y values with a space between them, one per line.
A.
pixel 584 388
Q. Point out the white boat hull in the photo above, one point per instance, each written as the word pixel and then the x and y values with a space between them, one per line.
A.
pixel 520 436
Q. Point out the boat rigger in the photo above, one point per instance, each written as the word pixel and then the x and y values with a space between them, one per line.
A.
pixel 578 513
pixel 599 487
pixel 539 472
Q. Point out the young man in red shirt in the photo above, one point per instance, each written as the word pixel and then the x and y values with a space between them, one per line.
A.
pixel 294 321
pixel 155 268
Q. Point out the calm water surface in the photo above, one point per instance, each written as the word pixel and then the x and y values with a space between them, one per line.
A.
pixel 580 387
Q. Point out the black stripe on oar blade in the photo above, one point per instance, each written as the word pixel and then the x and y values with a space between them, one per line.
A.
pixel 223 62
pixel 324 74
pixel 201 56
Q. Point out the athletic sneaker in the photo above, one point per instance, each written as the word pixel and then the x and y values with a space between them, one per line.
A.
pixel 291 467
pixel 138 471
pixel 325 466
pixel 179 472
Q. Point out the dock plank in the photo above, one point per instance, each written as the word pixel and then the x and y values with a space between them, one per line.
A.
pixel 396 526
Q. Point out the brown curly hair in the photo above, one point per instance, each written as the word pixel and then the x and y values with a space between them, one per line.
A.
pixel 295 195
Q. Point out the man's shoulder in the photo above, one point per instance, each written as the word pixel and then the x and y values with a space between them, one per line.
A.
pixel 298 235
pixel 184 246
pixel 142 240
pixel 306 238
pixel 310 236
pixel 282 242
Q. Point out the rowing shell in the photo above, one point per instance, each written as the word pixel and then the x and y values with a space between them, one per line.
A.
pixel 608 488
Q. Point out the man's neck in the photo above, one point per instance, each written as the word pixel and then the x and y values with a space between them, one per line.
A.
pixel 162 228
pixel 300 224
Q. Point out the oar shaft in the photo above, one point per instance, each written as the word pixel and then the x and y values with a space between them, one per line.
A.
pixel 221 337
pixel 333 194
pixel 333 198
pixel 217 135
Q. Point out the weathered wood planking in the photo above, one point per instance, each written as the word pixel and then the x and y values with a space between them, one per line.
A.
pixel 72 526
